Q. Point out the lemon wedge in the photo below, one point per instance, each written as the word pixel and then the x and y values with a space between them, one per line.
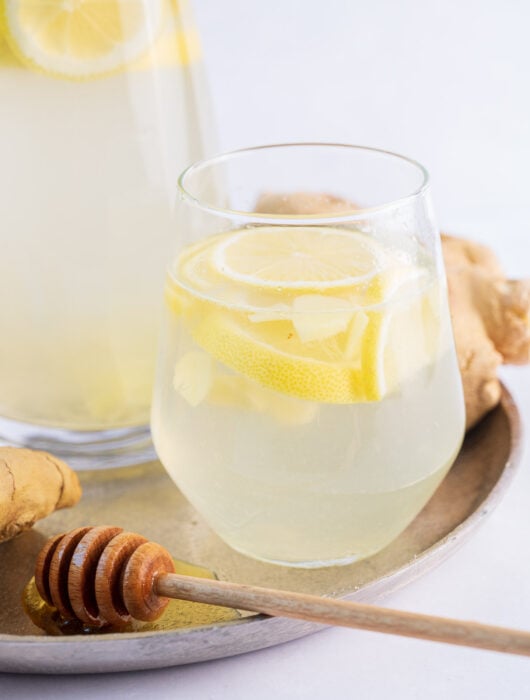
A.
pixel 80 39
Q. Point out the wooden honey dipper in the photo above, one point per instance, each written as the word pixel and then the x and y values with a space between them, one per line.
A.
pixel 104 576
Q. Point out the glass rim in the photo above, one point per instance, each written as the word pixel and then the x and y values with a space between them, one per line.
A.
pixel 260 217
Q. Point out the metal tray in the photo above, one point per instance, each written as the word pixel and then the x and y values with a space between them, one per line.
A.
pixel 143 499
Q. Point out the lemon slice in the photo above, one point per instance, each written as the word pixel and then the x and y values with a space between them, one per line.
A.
pixel 409 332
pixel 301 257
pixel 273 355
pixel 372 358
pixel 7 58
pixel 80 38
pixel 195 267
pixel 346 325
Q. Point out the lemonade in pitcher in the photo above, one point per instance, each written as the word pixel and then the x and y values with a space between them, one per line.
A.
pixel 99 112
pixel 308 400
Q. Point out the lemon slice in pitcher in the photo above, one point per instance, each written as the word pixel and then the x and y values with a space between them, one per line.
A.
pixel 80 39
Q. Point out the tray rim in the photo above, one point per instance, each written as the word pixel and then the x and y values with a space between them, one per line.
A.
pixel 291 629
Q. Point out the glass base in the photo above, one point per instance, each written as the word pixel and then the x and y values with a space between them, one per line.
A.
pixel 311 564
pixel 83 449
pixel 324 564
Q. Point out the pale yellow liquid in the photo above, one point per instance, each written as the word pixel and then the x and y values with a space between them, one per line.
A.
pixel 87 181
pixel 303 482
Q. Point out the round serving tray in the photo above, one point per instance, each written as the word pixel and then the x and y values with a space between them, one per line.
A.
pixel 143 499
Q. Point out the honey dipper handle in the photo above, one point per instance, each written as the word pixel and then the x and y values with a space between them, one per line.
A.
pixel 343 613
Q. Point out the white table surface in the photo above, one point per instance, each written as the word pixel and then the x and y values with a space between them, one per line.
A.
pixel 447 83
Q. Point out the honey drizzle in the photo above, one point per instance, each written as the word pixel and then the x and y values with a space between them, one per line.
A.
pixel 178 614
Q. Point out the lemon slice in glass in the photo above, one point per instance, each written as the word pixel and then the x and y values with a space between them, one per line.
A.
pixel 80 39
pixel 301 257
pixel 272 355
pixel 378 351
pixel 345 325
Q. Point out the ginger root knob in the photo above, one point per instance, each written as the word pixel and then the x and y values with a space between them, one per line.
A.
pixel 491 321
pixel 32 485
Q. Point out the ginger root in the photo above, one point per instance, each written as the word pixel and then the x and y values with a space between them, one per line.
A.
pixel 32 485
pixel 490 314
pixel 491 321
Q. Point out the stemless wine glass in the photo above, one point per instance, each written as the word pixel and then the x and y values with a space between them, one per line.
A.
pixel 100 113
pixel 307 399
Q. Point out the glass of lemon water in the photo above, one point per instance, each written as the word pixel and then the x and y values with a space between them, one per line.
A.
pixel 307 400
pixel 100 113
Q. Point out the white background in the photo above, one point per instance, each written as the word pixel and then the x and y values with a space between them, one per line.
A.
pixel 447 83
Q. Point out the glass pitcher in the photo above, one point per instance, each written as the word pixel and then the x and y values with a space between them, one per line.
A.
pixel 101 106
